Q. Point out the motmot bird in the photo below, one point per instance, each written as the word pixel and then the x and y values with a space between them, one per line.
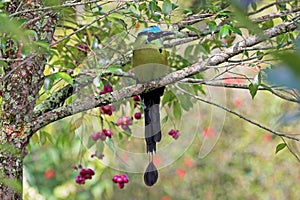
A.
pixel 150 62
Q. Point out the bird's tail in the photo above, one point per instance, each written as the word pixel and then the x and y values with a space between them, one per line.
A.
pixel 152 118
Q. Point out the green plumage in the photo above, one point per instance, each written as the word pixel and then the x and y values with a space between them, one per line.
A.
pixel 150 62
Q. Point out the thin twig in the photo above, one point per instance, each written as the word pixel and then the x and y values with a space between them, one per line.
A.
pixel 89 24
pixel 239 115
pixel 268 6
pixel 54 7
pixel 240 86
pixel 293 153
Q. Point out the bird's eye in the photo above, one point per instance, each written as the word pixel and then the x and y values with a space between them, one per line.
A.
pixel 160 50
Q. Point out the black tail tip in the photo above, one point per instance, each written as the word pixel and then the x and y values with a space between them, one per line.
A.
pixel 151 175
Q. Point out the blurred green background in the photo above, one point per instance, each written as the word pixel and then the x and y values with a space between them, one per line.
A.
pixel 242 164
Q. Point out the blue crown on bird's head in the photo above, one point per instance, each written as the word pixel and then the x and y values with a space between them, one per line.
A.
pixel 151 29
pixel 153 33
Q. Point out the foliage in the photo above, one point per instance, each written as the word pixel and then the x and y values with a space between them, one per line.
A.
pixel 91 53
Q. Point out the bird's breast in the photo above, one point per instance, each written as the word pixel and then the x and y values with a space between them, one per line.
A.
pixel 149 64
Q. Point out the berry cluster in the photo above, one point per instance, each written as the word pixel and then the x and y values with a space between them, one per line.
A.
pixel 102 135
pixel 106 89
pixel 137 99
pixel 174 133
pixel 121 180
pixel 107 109
pixel 83 174
pixel 124 122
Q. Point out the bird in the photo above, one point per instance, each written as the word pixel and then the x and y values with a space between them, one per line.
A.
pixel 150 62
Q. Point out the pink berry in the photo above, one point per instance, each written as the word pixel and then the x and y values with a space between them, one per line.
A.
pixel 80 180
pixel 108 133
pixel 90 171
pixel 83 172
pixel 138 115
pixel 124 178
pixel 119 179
pixel 121 185
pixel 124 127
pixel 115 178
pixel 87 176
pixel 95 136
pixel 102 136
pixel 109 88
pixel 136 98
pixel 175 136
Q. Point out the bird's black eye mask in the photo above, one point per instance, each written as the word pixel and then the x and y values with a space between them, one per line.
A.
pixel 154 36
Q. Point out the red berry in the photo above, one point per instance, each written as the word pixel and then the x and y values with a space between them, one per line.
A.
pixel 108 133
pixel 115 178
pixel 102 136
pixel 106 89
pixel 83 172
pixel 124 127
pixel 80 180
pixel 119 179
pixel 87 176
pixel 95 136
pixel 90 171
pixel 174 133
pixel 138 115
pixel 121 185
pixel 136 98
pixel 124 178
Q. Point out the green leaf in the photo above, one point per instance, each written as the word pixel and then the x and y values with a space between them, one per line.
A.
pixel 167 7
pixel 188 51
pixel 152 6
pixel 253 87
pixel 253 6
pixel 174 6
pixel 212 26
pixel 224 31
pixel 280 146
pixel 64 76
pixel 236 30
pixel 3 64
pixel 31 33
pixel 194 30
pixel 185 102
pixel 177 110
pixel 260 55
pixel 165 119
pixel 42 44
pixel 168 97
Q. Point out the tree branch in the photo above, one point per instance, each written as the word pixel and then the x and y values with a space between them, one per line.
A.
pixel 239 86
pixel 93 101
pixel 268 6
pixel 240 116
pixel 54 7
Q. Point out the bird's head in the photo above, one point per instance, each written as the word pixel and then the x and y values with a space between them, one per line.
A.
pixel 151 36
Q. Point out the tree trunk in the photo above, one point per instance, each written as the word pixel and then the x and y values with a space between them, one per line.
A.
pixel 20 85
pixel 11 167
